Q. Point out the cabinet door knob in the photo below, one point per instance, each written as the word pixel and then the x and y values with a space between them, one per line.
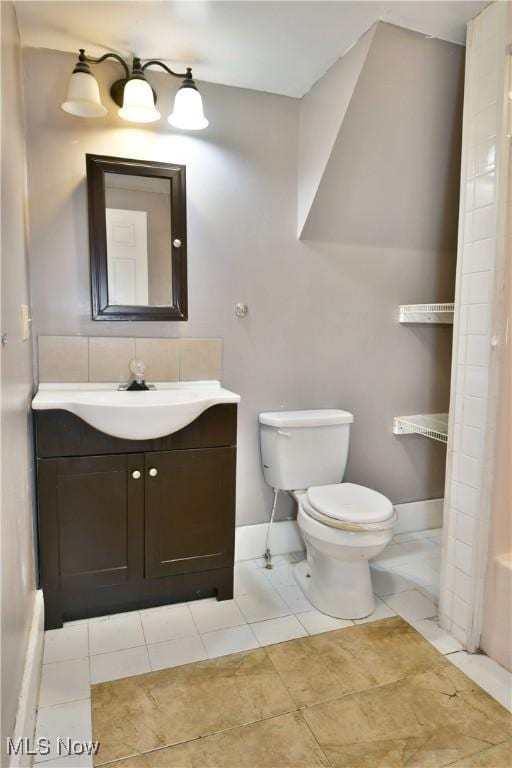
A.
pixel 177 242
pixel 153 472
pixel 136 474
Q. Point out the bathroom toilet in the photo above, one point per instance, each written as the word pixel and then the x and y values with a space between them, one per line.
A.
pixel 343 524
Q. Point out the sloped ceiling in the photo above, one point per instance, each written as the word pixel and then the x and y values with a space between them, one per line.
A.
pixel 322 113
pixel 280 47
pixel 392 177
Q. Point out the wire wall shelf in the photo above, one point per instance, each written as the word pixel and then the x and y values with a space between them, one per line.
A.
pixel 433 425
pixel 442 314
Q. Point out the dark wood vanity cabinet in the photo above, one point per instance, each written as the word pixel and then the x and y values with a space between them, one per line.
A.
pixel 130 524
pixel 189 511
pixel 90 515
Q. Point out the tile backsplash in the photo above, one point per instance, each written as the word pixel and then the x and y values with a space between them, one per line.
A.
pixel 70 359
pixel 109 358
pixel 63 358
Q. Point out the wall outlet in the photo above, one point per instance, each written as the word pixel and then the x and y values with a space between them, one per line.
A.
pixel 25 322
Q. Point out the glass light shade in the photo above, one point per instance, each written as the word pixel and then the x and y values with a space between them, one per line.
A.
pixel 138 102
pixel 188 110
pixel 83 97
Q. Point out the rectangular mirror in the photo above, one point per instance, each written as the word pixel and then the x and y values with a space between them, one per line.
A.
pixel 137 239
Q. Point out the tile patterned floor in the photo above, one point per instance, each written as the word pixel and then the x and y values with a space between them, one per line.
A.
pixel 268 608
pixel 306 702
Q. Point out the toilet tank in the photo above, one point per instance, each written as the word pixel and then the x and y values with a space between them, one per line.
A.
pixel 304 448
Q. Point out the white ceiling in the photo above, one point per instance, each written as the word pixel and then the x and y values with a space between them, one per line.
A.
pixel 281 47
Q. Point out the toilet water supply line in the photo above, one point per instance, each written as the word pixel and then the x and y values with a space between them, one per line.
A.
pixel 268 554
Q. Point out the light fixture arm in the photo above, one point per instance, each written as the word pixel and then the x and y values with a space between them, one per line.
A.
pixel 84 60
pixel 155 63
pixel 138 69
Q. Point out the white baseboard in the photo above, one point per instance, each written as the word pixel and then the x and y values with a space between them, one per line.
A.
pixel 250 540
pixel 285 536
pixel 25 724
pixel 419 515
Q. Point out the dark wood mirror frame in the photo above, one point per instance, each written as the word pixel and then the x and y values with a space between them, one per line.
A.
pixel 97 167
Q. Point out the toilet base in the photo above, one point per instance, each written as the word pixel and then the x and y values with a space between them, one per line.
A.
pixel 342 589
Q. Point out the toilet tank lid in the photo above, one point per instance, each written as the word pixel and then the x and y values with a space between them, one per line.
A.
pixel 317 418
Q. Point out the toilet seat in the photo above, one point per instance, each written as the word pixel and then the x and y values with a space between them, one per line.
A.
pixel 349 507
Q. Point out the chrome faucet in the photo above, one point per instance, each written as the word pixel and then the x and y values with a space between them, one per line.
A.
pixel 136 381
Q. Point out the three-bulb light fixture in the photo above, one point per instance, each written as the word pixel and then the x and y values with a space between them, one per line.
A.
pixel 133 94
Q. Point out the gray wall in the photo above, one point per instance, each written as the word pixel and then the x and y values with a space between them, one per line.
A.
pixel 321 329
pixel 16 362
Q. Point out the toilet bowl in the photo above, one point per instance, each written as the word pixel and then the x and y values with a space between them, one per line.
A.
pixel 336 575
pixel 343 525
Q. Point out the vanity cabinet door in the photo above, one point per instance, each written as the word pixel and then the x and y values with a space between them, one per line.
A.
pixel 190 510
pixel 91 521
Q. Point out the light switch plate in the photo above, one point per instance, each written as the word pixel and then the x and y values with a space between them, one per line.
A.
pixel 25 322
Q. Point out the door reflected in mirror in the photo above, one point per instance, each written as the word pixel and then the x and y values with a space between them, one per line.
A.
pixel 139 240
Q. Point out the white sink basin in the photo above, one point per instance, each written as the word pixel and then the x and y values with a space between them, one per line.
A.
pixel 134 415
